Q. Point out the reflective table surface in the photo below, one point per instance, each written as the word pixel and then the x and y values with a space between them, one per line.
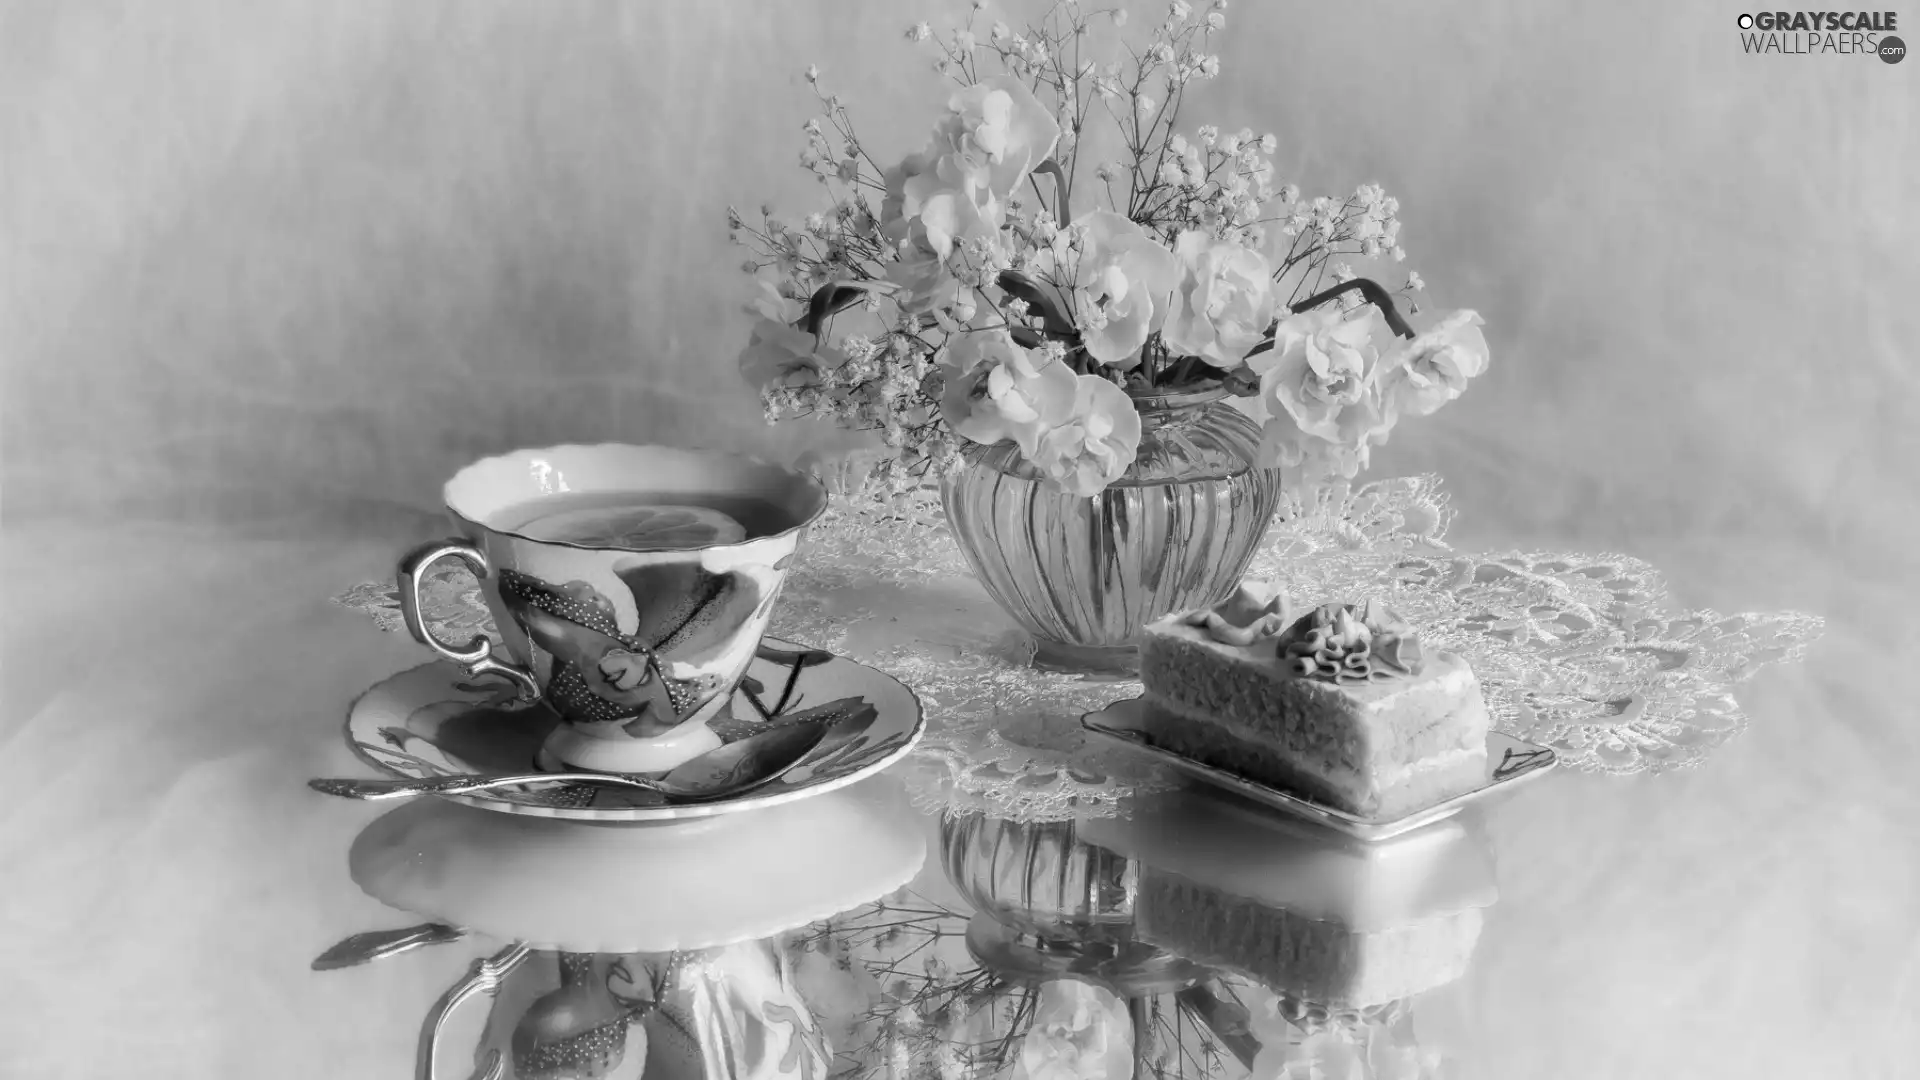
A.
pixel 170 881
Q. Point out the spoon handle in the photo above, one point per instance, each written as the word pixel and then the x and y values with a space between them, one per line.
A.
pixel 377 790
pixel 380 944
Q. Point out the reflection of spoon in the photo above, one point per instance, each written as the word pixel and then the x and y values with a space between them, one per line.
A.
pixel 736 767
pixel 380 944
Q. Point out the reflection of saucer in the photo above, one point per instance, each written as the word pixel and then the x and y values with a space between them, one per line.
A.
pixel 1510 763
pixel 1303 911
pixel 432 722
pixel 676 886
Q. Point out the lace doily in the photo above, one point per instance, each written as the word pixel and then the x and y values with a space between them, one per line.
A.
pixel 1583 653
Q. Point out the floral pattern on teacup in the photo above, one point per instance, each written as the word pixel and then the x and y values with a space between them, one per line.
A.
pixel 651 680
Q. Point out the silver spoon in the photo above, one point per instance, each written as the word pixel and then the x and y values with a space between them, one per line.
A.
pixel 736 767
pixel 380 944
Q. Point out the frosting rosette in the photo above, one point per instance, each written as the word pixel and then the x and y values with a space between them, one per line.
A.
pixel 1342 643
pixel 1255 611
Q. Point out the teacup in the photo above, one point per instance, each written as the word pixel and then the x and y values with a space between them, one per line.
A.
pixel 630 586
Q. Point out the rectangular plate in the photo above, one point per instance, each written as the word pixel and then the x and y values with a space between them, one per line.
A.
pixel 1511 762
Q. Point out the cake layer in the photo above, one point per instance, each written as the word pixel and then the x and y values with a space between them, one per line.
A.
pixel 1300 765
pixel 1323 961
pixel 1364 727
pixel 1244 849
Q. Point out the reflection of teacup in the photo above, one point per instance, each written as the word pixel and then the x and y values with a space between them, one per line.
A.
pixel 630 585
pixel 684 980
pixel 733 1012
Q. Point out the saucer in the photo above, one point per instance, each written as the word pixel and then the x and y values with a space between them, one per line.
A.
pixel 696 885
pixel 1511 762
pixel 433 721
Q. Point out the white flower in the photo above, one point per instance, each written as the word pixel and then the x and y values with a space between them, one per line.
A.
pixel 1414 281
pixel 1144 103
pixel 1179 10
pixel 919 32
pixel 778 354
pixel 1095 445
pixel 1216 21
pixel 1321 363
pixel 1122 285
pixel 813 74
pixel 996 390
pixel 994 134
pixel 1081 1031
pixel 918 209
pixel 1322 400
pixel 1223 303
pixel 954 193
pixel 1312 458
pixel 1421 375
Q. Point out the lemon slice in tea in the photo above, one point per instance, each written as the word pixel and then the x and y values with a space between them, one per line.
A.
pixel 666 526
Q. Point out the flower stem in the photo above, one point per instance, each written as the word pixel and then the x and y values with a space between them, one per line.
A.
pixel 1181 370
pixel 1374 294
pixel 1061 213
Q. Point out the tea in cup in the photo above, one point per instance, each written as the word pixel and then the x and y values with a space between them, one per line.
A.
pixel 630 585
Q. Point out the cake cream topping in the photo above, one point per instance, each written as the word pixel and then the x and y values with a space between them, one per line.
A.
pixel 1342 643
pixel 1255 612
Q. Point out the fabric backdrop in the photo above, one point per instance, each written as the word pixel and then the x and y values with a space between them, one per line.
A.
pixel 273 256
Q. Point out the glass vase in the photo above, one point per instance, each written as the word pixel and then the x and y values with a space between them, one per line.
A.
pixel 1081 575
pixel 1049 905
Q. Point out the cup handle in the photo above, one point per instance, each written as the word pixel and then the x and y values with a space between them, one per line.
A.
pixel 476 657
pixel 484 977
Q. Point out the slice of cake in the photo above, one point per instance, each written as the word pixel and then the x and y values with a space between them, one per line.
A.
pixel 1302 911
pixel 1341 705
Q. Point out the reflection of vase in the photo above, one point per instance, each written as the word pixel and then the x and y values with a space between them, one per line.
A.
pixel 1049 905
pixel 1083 575
pixel 1036 876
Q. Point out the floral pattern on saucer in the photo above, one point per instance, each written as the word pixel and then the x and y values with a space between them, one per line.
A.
pixel 432 721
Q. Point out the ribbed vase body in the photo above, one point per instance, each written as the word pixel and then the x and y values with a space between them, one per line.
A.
pixel 1037 877
pixel 1083 575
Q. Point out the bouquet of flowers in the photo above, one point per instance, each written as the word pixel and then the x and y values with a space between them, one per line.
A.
pixel 972 292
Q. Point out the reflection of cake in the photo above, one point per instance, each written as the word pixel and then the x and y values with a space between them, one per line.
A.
pixel 1331 921
pixel 1340 706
